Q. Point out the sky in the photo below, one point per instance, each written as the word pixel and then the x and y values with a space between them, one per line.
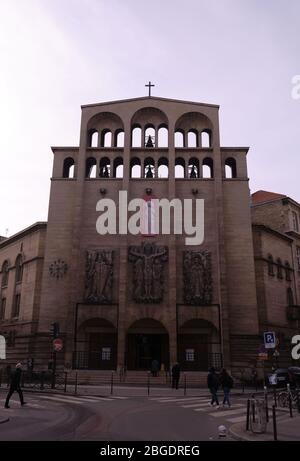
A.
pixel 56 55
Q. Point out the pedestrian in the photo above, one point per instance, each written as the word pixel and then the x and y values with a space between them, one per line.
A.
pixel 15 385
pixel 175 375
pixel 213 385
pixel 226 382
pixel 154 368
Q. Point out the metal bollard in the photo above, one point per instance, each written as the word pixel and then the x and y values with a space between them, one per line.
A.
pixel 275 396
pixel 184 384
pixel 266 403
pixel 274 423
pixel 148 383
pixel 112 384
pixel 66 381
pixel 253 412
pixel 290 400
pixel 248 416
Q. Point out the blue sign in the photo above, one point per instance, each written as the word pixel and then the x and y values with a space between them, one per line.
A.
pixel 270 339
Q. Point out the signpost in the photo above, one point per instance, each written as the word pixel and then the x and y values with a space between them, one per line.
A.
pixel 57 344
pixel 270 340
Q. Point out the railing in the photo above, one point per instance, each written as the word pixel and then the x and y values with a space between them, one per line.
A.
pixel 83 360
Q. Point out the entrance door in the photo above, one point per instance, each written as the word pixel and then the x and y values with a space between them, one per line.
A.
pixel 142 349
pixel 193 352
pixel 102 351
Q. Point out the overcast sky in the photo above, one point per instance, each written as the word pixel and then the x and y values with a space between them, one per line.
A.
pixel 58 54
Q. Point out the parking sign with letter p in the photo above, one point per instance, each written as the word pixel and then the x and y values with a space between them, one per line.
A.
pixel 270 339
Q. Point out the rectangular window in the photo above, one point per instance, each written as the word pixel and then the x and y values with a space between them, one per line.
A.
pixel 295 221
pixel 298 257
pixel 190 355
pixel 106 353
pixel 2 308
pixel 16 307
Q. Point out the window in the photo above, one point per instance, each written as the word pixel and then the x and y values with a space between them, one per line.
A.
pixel 295 221
pixel 230 168
pixel 192 138
pixel 19 269
pixel 93 138
pixel 106 353
pixel 279 269
pixel 163 169
pixel 118 167
pixel 190 355
pixel 163 136
pixel 5 273
pixel 91 167
pixel 179 167
pixel 179 138
pixel 16 306
pixel 68 169
pixel 287 272
pixel 136 136
pixel 2 308
pixel 206 138
pixel 208 168
pixel 270 265
pixel 135 168
pixel 298 257
pixel 290 297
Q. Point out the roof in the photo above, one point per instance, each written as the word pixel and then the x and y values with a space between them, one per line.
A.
pixel 19 235
pixel 263 196
pixel 150 98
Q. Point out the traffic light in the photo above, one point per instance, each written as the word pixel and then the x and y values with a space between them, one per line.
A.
pixel 54 330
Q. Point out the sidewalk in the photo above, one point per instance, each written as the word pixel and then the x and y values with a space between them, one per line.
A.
pixel 287 430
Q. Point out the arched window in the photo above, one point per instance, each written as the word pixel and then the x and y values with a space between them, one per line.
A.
pixel 5 274
pixel 279 269
pixel 93 138
pixel 19 269
pixel 149 168
pixel 119 138
pixel 193 138
pixel 295 221
pixel 118 167
pixel 68 168
pixel 287 268
pixel 208 168
pixel 206 138
pixel 193 168
pixel 91 168
pixel 179 138
pixel 149 140
pixel 104 167
pixel 135 168
pixel 106 138
pixel 290 297
pixel 270 265
pixel 163 136
pixel 136 136
pixel 179 167
pixel 163 168
pixel 230 168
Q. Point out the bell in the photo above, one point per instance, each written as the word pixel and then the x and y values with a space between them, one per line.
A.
pixel 104 173
pixel 149 142
pixel 149 173
pixel 193 174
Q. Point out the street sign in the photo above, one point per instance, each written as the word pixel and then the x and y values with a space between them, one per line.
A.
pixel 57 344
pixel 270 340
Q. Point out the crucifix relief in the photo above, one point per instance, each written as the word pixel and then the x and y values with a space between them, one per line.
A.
pixel 149 86
pixel 148 271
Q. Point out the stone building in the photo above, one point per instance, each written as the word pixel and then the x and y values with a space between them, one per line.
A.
pixel 122 299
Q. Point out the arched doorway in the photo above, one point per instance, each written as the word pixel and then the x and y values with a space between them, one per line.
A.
pixel 96 345
pixel 147 340
pixel 199 346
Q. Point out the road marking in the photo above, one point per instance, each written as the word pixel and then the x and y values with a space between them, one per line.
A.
pixel 186 399
pixel 77 400
pixel 237 419
pixel 220 414
pixel 196 405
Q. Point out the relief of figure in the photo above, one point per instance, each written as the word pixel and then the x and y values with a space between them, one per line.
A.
pixel 197 277
pixel 148 271
pixel 99 276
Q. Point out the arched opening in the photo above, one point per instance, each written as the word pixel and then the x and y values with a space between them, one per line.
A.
pixel 179 138
pixel 163 168
pixel 104 168
pixel 199 346
pixel 106 138
pixel 93 138
pixel 193 168
pixel 149 168
pixel 206 138
pixel 91 168
pixel 208 168
pixel 96 345
pixel 193 138
pixel 147 340
pixel 163 136
pixel 19 269
pixel 5 274
pixel 230 168
pixel 179 167
pixel 136 136
pixel 118 167
pixel 149 140
pixel 69 168
pixel 135 168
pixel 119 138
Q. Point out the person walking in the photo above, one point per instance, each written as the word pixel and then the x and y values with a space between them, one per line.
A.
pixel 175 375
pixel 226 382
pixel 15 385
pixel 213 385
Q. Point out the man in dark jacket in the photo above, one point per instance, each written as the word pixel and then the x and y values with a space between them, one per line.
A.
pixel 15 385
pixel 175 375
pixel 213 384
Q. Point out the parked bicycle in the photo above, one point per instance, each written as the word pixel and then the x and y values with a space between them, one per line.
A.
pixel 283 398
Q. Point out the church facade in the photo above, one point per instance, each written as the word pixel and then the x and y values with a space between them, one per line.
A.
pixel 123 300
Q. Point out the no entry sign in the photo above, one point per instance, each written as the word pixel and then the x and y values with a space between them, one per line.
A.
pixel 57 344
